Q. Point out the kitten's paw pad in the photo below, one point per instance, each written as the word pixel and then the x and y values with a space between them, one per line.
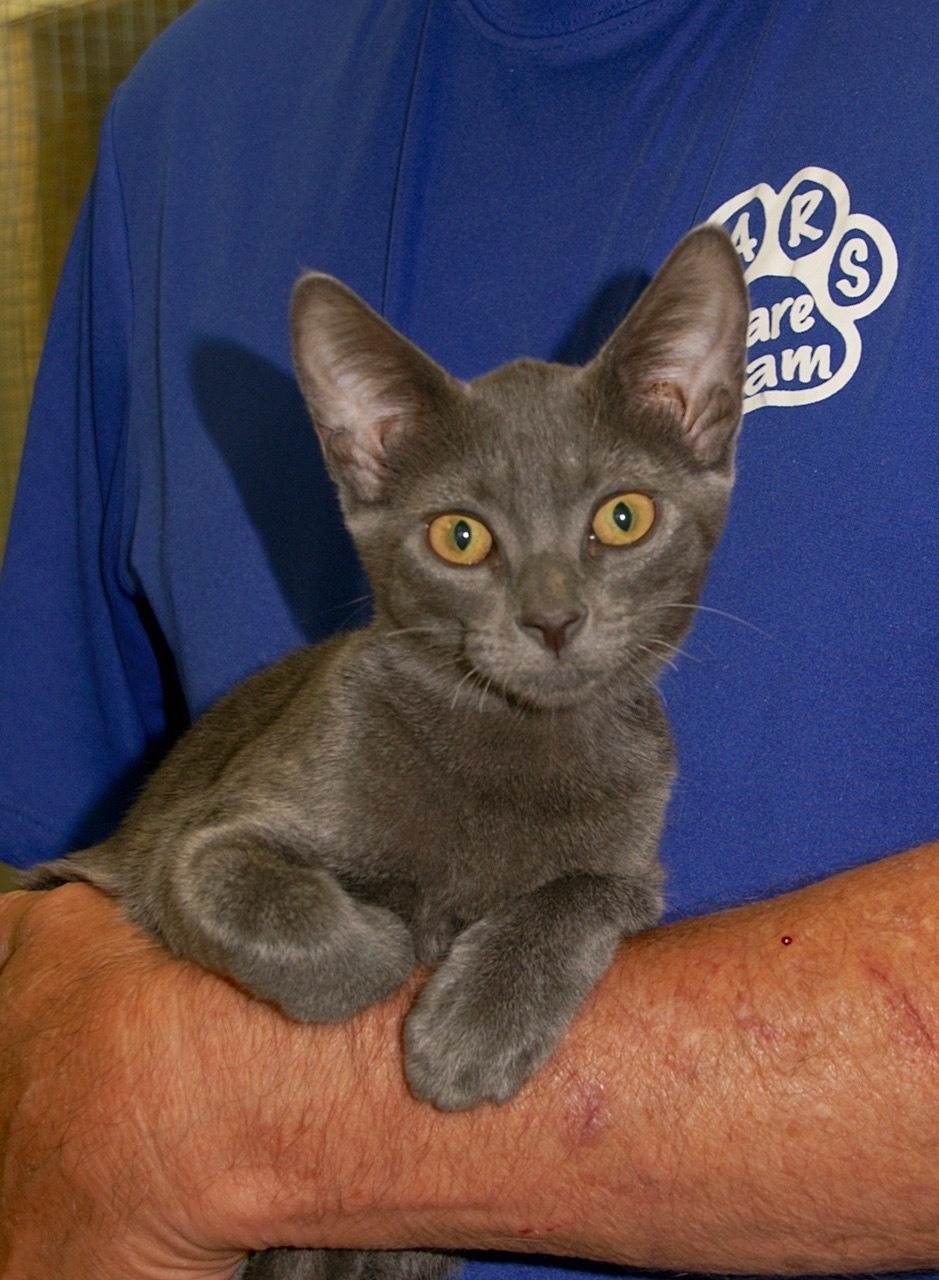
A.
pixel 814 269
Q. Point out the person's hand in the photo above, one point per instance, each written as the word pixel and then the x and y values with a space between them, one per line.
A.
pixel 156 1123
pixel 105 1103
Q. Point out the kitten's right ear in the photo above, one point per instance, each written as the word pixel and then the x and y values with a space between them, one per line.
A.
pixel 682 348
pixel 368 388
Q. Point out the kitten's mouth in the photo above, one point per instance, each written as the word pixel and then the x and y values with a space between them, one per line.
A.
pixel 563 684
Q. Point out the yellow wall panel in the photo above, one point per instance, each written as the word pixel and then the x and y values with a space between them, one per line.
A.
pixel 60 61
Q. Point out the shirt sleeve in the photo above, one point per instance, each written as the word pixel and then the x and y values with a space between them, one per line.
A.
pixel 82 675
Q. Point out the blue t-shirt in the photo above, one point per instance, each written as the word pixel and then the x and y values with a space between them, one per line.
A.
pixel 499 178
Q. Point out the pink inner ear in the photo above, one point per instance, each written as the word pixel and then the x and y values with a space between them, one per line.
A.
pixel 362 456
pixel 708 430
pixel 360 469
pixel 705 424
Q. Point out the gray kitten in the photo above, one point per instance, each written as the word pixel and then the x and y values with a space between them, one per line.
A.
pixel 476 780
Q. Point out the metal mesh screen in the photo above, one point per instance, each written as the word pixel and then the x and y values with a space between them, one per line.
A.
pixel 60 61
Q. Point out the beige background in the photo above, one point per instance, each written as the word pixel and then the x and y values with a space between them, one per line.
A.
pixel 60 61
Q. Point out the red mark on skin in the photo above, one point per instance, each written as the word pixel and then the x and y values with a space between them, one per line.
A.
pixel 592 1114
pixel 786 940
pixel 898 1001
pixel 588 1111
pixel 750 1022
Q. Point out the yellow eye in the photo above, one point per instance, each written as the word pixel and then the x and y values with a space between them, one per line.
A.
pixel 460 539
pixel 624 519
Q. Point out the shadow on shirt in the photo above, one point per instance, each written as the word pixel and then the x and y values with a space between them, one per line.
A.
pixel 256 417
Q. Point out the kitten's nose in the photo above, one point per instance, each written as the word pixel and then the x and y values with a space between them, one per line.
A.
pixel 555 628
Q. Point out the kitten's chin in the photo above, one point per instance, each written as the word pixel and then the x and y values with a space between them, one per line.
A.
pixel 554 698
pixel 557 690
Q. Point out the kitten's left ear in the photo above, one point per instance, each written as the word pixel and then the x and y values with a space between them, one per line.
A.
pixel 682 348
pixel 369 390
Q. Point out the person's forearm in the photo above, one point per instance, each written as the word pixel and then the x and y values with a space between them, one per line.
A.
pixel 727 1101
pixel 755 1091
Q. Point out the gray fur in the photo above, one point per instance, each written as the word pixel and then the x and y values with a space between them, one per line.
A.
pixel 477 780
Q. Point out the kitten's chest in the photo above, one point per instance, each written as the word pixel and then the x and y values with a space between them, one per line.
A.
pixel 444 830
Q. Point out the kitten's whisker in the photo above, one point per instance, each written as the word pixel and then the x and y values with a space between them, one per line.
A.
pixel 665 645
pixel 456 695
pixel 348 604
pixel 718 613
pixel 351 610
pixel 410 631
pixel 351 613
pixel 641 669
pixel 667 653
pixel 484 692
pixel 660 658
pixel 459 687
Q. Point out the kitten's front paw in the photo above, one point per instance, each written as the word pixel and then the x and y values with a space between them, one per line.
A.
pixel 472 1037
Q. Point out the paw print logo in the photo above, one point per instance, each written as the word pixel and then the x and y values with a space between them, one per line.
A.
pixel 815 269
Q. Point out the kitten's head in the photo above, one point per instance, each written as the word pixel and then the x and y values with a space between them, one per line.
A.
pixel 544 529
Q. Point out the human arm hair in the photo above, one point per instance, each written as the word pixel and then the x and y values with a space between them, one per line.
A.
pixel 753 1091
pixel 726 1101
